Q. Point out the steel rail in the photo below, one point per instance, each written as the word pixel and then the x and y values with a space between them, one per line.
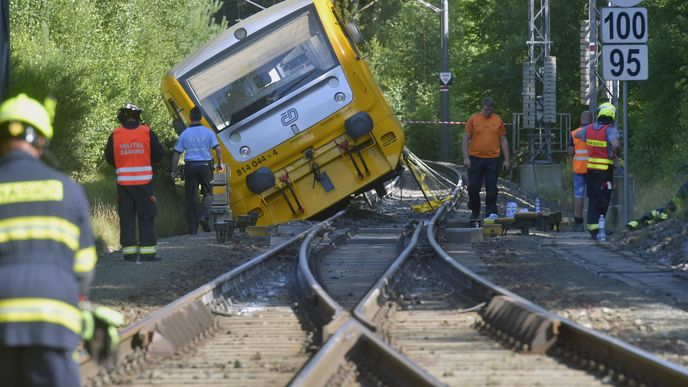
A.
pixel 622 357
pixel 378 294
pixel 344 337
pixel 136 338
pixel 327 366
pixel 334 314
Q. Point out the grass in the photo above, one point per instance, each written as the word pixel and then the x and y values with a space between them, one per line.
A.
pixel 102 194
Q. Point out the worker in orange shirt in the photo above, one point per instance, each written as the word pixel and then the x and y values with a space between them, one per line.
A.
pixel 578 150
pixel 484 135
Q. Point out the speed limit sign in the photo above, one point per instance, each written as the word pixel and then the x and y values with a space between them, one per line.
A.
pixel 624 25
pixel 624 62
pixel 624 44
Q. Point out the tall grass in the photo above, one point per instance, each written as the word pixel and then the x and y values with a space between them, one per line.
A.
pixel 105 221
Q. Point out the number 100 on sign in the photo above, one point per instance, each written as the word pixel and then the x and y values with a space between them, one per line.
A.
pixel 624 62
pixel 624 25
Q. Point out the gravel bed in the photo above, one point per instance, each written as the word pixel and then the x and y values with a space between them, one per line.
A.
pixel 515 262
pixel 650 322
pixel 190 261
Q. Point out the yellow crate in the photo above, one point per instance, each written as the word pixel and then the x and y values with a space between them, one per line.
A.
pixel 492 229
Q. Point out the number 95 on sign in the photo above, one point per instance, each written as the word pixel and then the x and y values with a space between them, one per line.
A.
pixel 624 62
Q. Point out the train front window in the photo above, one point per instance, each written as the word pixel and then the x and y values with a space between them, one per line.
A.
pixel 265 70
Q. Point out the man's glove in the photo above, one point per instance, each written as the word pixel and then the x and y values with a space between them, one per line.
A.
pixel 100 333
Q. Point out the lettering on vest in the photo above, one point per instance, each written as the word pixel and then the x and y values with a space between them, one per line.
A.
pixel 132 148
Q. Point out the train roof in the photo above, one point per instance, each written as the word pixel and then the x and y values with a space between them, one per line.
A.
pixel 226 38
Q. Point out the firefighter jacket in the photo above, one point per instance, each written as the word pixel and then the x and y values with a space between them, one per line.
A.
pixel 580 155
pixel 598 152
pixel 47 254
pixel 133 155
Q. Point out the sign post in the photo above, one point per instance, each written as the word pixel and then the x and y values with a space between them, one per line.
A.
pixel 624 55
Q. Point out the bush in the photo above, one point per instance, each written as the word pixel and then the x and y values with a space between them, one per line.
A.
pixel 95 56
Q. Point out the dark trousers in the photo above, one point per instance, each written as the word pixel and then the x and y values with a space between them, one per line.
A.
pixel 196 174
pixel 37 367
pixel 487 171
pixel 136 202
pixel 599 185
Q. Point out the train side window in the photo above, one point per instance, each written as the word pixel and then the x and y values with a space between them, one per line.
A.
pixel 177 123
pixel 353 40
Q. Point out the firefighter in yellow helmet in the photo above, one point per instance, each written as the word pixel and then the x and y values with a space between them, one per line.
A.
pixel 47 253
pixel 602 140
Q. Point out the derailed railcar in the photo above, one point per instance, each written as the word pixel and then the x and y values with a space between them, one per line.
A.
pixel 301 121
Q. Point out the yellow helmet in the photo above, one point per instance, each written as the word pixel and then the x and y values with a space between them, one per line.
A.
pixel 606 110
pixel 30 112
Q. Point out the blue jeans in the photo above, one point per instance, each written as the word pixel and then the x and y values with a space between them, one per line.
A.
pixel 578 185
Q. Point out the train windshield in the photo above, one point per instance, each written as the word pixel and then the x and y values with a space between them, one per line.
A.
pixel 265 70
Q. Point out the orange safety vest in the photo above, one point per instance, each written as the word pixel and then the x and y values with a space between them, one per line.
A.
pixel 132 155
pixel 580 156
pixel 598 153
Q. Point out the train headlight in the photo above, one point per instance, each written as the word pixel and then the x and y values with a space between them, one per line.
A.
pixel 358 125
pixel 339 97
pixel 244 150
pixel 235 137
pixel 260 180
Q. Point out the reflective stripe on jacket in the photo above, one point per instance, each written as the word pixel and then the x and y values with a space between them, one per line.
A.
pixel 47 254
pixel 580 156
pixel 132 155
pixel 598 152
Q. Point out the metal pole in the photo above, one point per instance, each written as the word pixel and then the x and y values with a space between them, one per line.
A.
pixel 626 193
pixel 444 89
pixel 4 49
pixel 592 48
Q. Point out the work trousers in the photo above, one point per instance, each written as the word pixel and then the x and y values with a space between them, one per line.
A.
pixel 137 202
pixel 599 185
pixel 198 174
pixel 483 170
pixel 37 366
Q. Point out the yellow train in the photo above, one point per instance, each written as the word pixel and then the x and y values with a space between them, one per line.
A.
pixel 302 123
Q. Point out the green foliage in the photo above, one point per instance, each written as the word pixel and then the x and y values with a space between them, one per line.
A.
pixel 487 48
pixel 659 106
pixel 95 56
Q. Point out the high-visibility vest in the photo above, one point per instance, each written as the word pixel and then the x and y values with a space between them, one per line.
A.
pixel 580 156
pixel 598 153
pixel 132 155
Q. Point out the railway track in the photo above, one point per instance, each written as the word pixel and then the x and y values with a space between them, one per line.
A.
pixel 343 305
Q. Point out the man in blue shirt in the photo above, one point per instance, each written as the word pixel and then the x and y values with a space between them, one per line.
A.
pixel 196 141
